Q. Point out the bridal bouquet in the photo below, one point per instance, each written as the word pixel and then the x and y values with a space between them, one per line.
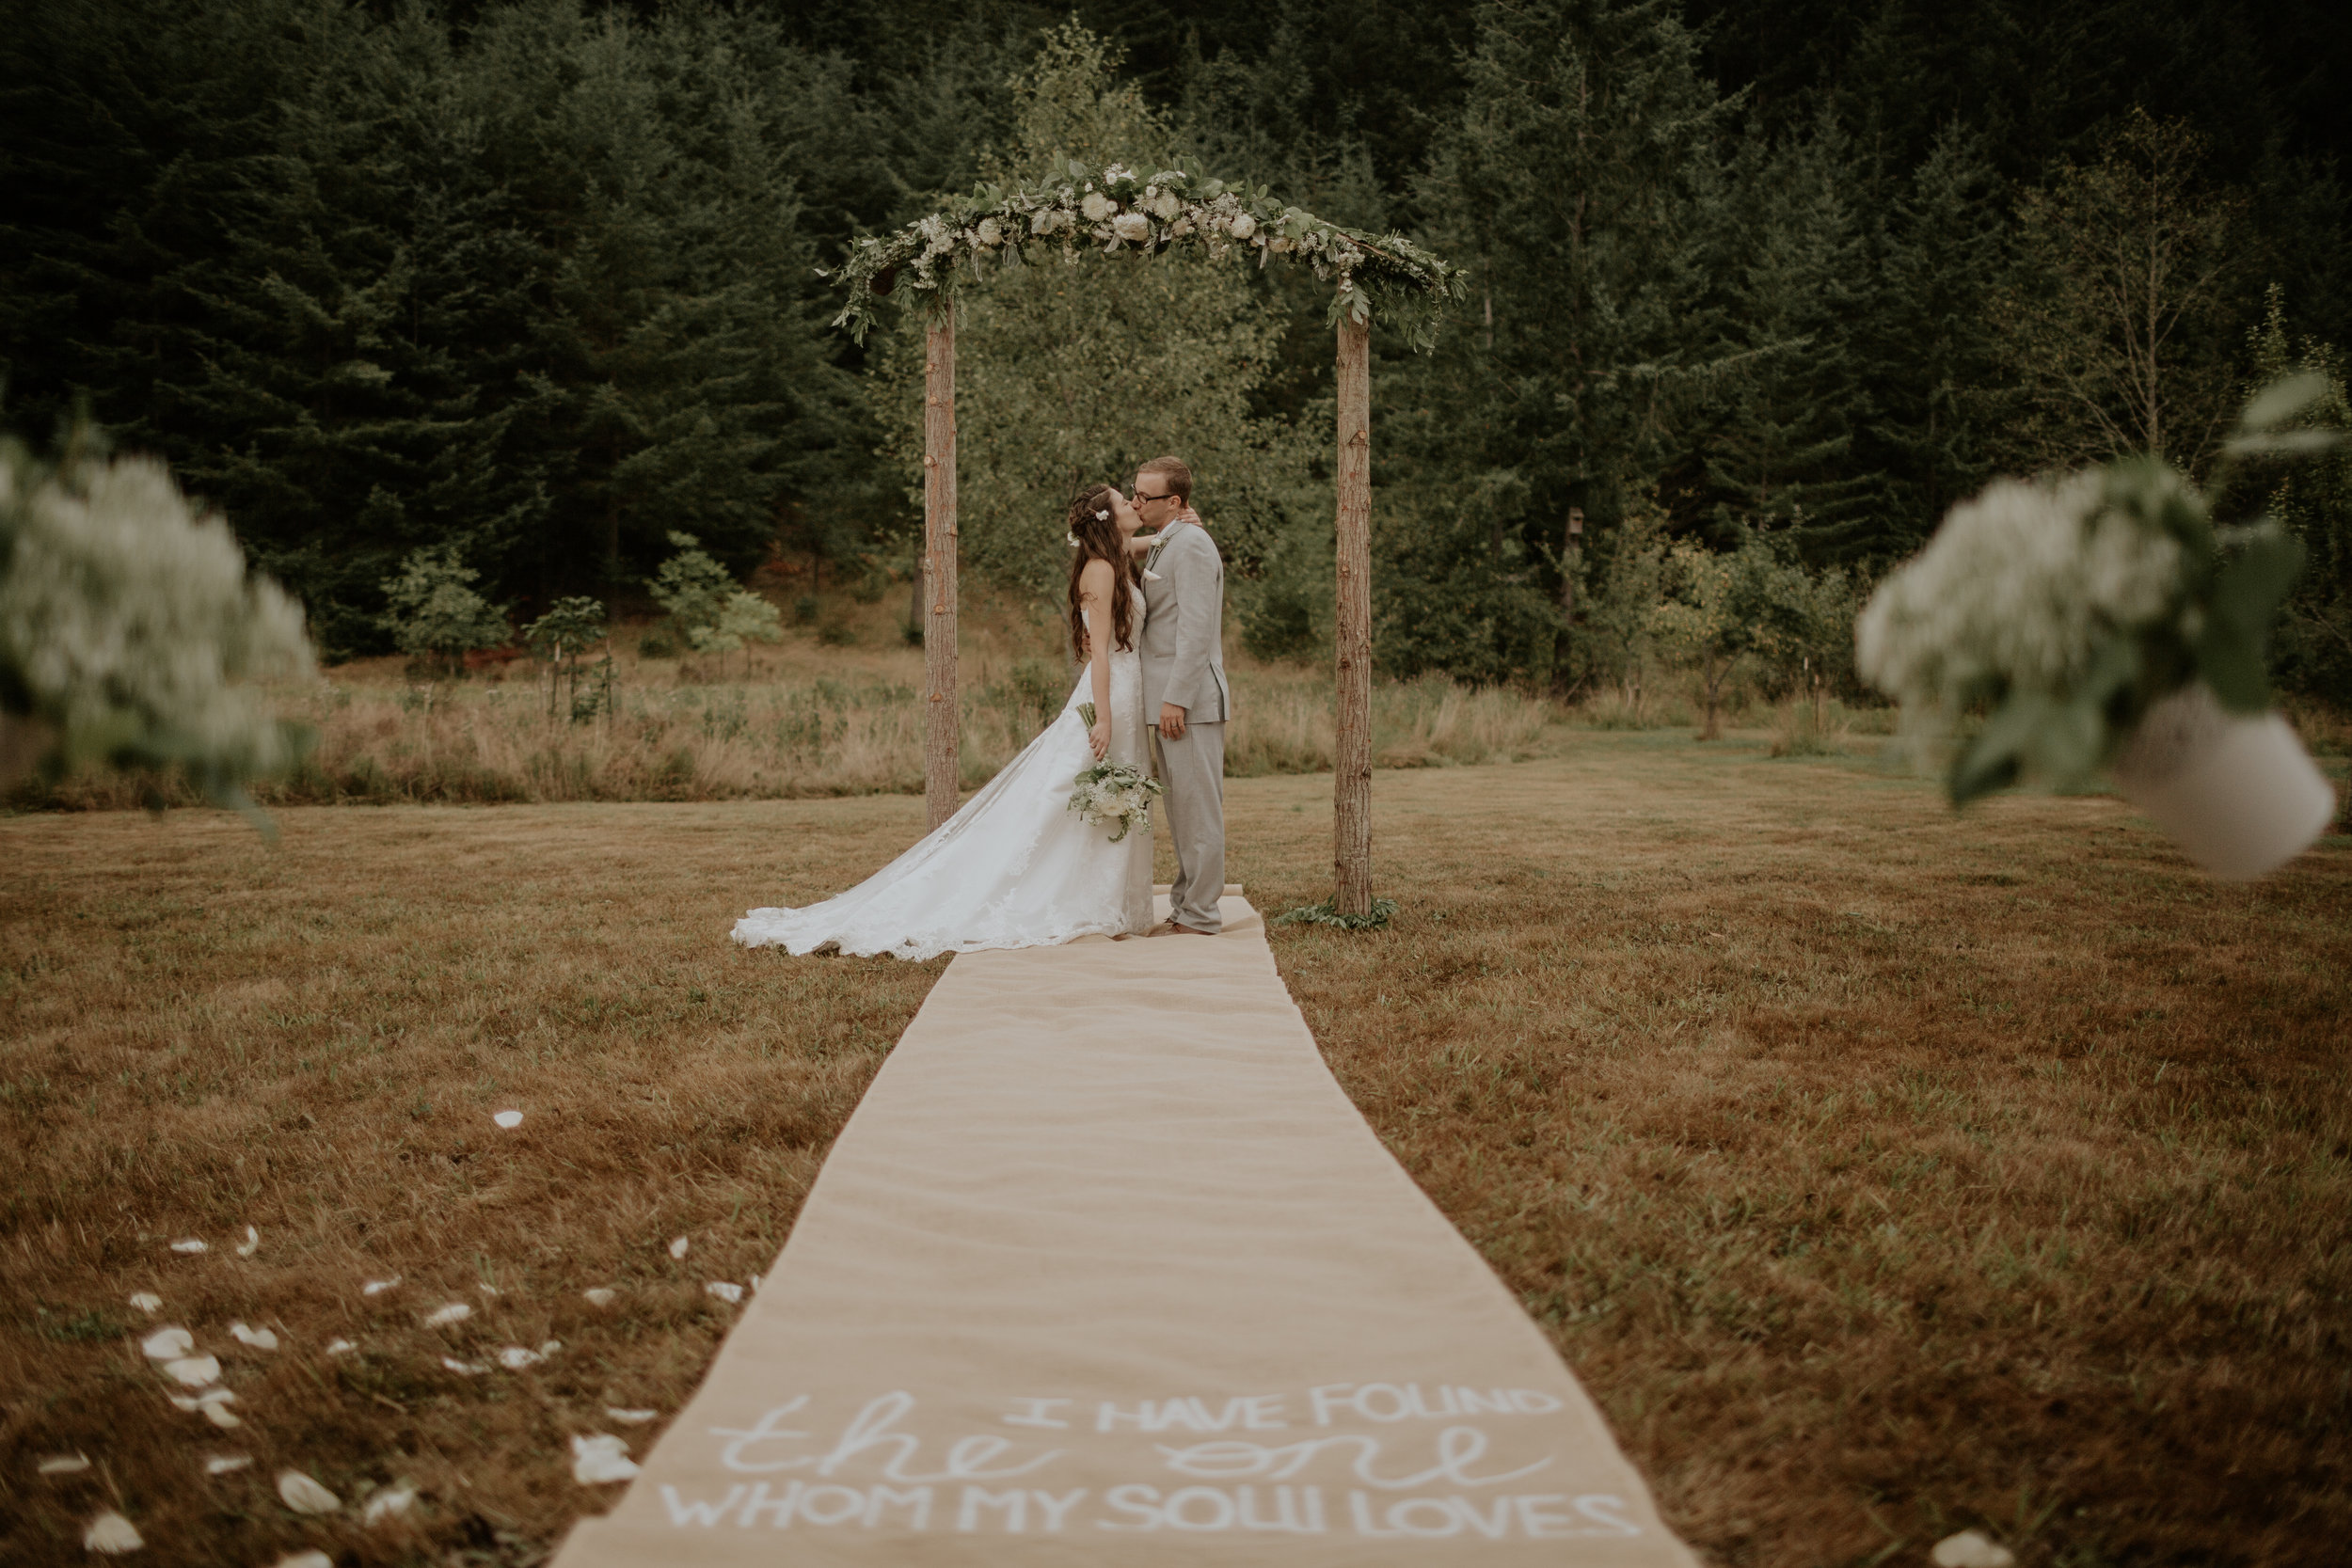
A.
pixel 1111 794
pixel 2056 629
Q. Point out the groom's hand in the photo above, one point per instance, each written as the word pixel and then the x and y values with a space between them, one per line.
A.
pixel 1171 721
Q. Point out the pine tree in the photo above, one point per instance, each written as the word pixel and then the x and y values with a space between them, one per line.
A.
pixel 1571 180
pixel 1929 359
pixel 1793 260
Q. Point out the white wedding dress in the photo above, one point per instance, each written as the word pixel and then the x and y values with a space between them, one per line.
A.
pixel 1014 868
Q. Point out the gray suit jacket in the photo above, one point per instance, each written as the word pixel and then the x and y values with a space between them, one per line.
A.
pixel 1183 626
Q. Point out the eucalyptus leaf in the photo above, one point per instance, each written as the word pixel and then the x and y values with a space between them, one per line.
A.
pixel 2281 400
pixel 2289 443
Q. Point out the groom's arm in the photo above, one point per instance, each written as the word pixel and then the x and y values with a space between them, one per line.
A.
pixel 1192 563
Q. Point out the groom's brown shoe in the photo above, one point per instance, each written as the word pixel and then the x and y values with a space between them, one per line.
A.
pixel 1169 928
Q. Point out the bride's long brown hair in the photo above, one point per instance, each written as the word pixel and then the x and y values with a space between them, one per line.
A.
pixel 1095 527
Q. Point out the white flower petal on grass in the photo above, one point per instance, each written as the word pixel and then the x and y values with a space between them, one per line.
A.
pixel 678 1246
pixel 597 1458
pixel 455 1312
pixel 112 1534
pixel 340 1347
pixel 599 1295
pixel 305 1495
pixel 387 1504
pixel 222 1416
pixel 221 1464
pixel 146 1301
pixel 509 1119
pixel 304 1560
pixel 548 1347
pixel 252 1242
pixel 65 1465
pixel 487 1290
pixel 725 1289
pixel 196 1372
pixel 1970 1550
pixel 189 1244
pixel 192 1402
pixel 464 1369
pixel 515 1358
pixel 630 1418
pixel 168 1344
pixel 378 1286
pixel 259 1339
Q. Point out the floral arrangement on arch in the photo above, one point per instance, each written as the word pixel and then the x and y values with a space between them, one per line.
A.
pixel 1117 210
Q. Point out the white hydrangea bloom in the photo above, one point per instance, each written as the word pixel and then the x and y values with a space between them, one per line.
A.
pixel 2019 584
pixel 1097 206
pixel 1164 205
pixel 129 618
pixel 989 233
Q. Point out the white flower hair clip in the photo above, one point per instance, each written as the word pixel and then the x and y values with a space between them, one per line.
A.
pixel 1070 540
pixel 1104 516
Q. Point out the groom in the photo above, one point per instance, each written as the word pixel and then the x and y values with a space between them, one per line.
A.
pixel 1184 692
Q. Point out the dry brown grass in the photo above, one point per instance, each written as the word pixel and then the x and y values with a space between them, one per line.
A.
pixel 203 1034
pixel 1880 1173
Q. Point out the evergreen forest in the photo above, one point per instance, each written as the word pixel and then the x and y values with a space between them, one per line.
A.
pixel 539 284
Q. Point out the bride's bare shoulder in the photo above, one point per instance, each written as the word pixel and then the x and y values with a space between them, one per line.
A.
pixel 1094 578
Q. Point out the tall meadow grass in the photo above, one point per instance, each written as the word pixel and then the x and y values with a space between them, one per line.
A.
pixel 680 732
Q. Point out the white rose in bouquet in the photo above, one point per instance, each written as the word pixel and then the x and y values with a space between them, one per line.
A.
pixel 1243 225
pixel 989 233
pixel 1097 206
pixel 1132 227
pixel 1164 206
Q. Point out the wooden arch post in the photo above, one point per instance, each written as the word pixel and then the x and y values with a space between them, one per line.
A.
pixel 1351 790
pixel 939 759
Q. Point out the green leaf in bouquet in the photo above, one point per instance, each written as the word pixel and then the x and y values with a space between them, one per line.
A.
pixel 2246 598
pixel 1993 759
pixel 2155 495
pixel 1085 713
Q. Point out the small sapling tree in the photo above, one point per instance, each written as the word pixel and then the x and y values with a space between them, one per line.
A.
pixel 561 639
pixel 708 608
pixel 433 613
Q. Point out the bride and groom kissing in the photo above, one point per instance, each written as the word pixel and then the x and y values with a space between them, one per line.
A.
pixel 1019 865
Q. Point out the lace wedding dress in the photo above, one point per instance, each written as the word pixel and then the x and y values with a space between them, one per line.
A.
pixel 1014 868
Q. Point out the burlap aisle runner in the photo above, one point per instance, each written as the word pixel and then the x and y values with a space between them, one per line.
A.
pixel 1106 1270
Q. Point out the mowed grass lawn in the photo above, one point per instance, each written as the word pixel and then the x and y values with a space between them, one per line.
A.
pixel 1882 1173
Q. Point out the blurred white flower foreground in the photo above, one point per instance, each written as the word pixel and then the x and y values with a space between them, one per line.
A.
pixel 129 629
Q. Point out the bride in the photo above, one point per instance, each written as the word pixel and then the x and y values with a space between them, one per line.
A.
pixel 1016 867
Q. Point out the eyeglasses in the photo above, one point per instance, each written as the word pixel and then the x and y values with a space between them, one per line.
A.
pixel 1141 498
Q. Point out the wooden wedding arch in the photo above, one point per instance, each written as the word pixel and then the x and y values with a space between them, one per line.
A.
pixel 1112 212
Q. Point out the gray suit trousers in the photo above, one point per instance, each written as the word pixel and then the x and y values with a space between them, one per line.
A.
pixel 1192 771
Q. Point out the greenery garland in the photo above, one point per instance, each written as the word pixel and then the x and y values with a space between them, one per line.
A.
pixel 1116 211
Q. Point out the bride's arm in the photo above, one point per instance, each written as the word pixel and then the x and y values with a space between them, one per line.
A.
pixel 1094 594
